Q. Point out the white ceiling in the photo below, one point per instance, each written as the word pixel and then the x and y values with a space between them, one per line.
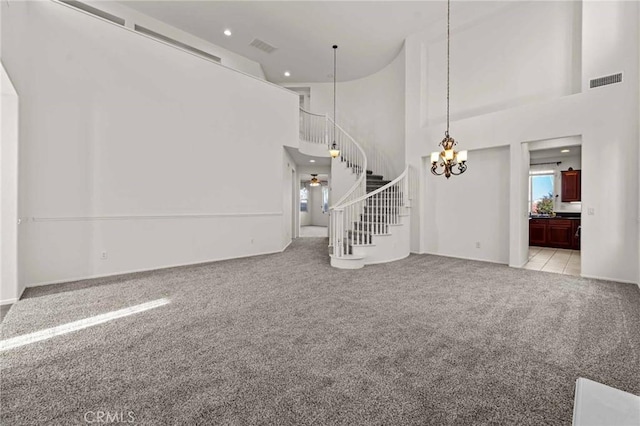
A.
pixel 369 34
pixel 555 153
pixel 305 160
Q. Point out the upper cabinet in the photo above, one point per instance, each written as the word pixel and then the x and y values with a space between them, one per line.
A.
pixel 571 188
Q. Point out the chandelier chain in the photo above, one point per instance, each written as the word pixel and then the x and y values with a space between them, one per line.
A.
pixel 335 48
pixel 448 57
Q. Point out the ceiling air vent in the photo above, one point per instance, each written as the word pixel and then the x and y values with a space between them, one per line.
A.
pixel 262 45
pixel 603 81
pixel 176 43
pixel 92 10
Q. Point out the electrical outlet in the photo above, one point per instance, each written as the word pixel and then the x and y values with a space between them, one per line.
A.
pixel 104 255
pixel 477 244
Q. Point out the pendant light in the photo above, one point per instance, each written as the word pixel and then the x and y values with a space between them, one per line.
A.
pixel 334 151
pixel 448 157
pixel 314 180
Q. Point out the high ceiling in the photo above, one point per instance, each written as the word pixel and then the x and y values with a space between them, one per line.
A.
pixel 369 33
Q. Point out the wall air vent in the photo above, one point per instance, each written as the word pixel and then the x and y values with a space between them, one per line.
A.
pixel 262 45
pixel 176 43
pixel 603 81
pixel 92 10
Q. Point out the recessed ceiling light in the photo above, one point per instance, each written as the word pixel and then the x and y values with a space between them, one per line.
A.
pixel 565 150
pixel 287 74
pixel 227 33
pixel 312 161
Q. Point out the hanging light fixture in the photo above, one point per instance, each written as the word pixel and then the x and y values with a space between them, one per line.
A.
pixel 334 151
pixel 314 180
pixel 448 157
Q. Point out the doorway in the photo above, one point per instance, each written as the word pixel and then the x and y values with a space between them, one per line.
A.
pixel 314 206
pixel 554 206
pixel 10 288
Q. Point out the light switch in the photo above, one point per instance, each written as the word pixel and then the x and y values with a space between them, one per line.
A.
pixel 591 211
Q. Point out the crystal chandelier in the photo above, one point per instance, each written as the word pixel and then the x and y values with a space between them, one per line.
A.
pixel 448 161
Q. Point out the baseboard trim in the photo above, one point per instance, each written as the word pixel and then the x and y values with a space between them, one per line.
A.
pixel 615 280
pixel 134 271
pixel 467 258
pixel 14 300
pixel 286 245
pixel 378 262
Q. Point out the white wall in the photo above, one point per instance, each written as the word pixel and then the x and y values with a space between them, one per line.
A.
pixel 289 206
pixel 133 17
pixel 370 109
pixel 342 180
pixel 305 217
pixel 604 117
pixel 531 47
pixel 318 218
pixel 314 215
pixel 475 207
pixel 574 162
pixel 135 148
pixel 10 288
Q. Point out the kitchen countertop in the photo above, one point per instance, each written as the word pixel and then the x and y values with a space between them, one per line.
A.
pixel 556 217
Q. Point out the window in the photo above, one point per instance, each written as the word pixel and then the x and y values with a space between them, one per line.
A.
pixel 541 192
pixel 325 199
pixel 304 199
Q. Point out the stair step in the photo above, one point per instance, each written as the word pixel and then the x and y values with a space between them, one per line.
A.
pixel 371 188
pixel 366 217
pixel 347 262
pixel 359 237
pixel 384 196
pixel 381 209
pixel 375 178
pixel 385 220
pixel 372 226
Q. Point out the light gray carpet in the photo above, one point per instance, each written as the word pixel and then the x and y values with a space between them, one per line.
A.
pixel 313 231
pixel 286 339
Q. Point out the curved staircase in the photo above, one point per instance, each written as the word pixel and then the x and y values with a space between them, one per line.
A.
pixel 370 221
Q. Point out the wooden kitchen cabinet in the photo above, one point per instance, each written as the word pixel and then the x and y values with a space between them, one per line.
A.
pixel 571 186
pixel 537 232
pixel 555 233
pixel 560 233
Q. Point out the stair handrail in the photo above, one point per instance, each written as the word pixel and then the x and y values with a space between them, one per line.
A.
pixel 381 189
pixel 357 215
pixel 358 220
pixel 312 113
pixel 314 128
pixel 359 164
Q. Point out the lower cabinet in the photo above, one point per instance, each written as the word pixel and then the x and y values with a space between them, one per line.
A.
pixel 560 233
pixel 556 233
pixel 537 232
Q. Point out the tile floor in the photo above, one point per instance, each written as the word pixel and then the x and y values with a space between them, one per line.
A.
pixel 560 261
